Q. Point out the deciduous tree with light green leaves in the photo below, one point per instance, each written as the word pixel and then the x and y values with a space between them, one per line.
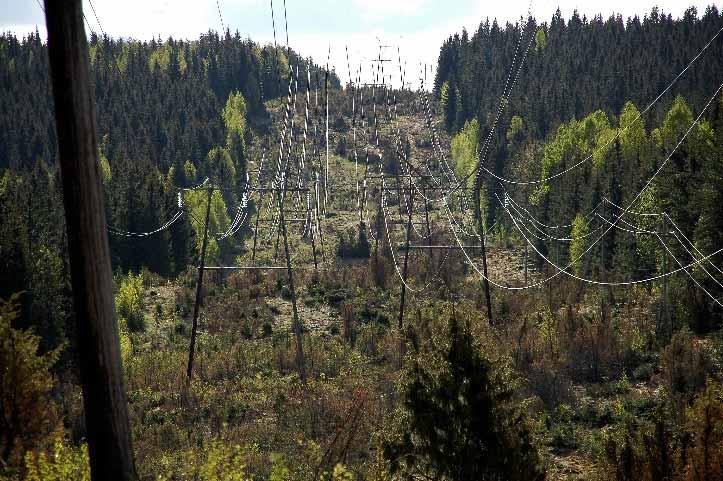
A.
pixel 514 131
pixel 464 154
pixel 218 221
pixel 648 248
pixel 464 150
pixel 680 183
pixel 234 118
pixel 105 171
pixel 444 95
pixel 129 302
pixel 540 39
pixel 219 168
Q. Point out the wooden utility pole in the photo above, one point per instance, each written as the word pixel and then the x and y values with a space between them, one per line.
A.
pixel 603 262
pixel 525 262
pixel 298 334
pixel 199 289
pixel 312 227
pixel 426 221
pixel 402 296
pixel 603 270
pixel 319 228
pixel 665 328
pixel 101 374
pixel 283 191
pixel 278 239
pixel 310 214
pixel 326 99
pixel 256 227
pixel 426 212
pixel 483 244
pixel 362 204
pixel 557 261
pixel 549 284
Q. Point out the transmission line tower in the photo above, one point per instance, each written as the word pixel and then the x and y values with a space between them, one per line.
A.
pixel 199 289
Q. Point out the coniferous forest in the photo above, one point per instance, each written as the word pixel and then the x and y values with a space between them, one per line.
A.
pixel 512 273
pixel 161 125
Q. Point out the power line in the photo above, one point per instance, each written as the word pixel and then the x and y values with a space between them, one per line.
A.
pixel 645 187
pixel 619 219
pixel 218 6
pixel 504 99
pixel 391 247
pixel 617 134
pixel 633 230
pixel 283 173
pixel 124 233
pixel 667 249
pixel 648 214
pixel 92 7
pixel 535 222
pixel 603 283
pixel 689 241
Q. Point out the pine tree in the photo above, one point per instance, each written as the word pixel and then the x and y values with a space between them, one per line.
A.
pixel 29 415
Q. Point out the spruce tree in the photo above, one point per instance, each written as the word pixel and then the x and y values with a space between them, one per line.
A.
pixel 458 421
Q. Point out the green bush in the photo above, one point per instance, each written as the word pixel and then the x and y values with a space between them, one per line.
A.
pixel 65 463
pixel 562 428
pixel 130 302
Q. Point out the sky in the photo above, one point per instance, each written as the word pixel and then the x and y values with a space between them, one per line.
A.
pixel 411 29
